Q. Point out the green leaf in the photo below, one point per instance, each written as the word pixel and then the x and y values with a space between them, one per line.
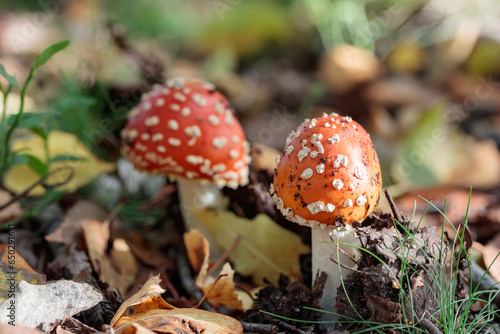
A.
pixel 46 54
pixel 37 165
pixel 18 159
pixel 9 78
pixel 65 157
pixel 39 131
pixel 27 120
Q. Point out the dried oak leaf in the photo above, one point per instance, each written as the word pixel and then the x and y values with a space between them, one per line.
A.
pixel 223 292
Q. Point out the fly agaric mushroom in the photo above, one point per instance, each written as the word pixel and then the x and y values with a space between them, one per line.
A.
pixel 188 131
pixel 328 178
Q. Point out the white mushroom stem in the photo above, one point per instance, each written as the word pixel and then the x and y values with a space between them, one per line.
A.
pixel 323 250
pixel 196 196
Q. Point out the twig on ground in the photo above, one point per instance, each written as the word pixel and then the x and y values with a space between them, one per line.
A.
pixel 289 328
pixel 187 280
pixel 259 328
pixel 41 182
pixel 395 212
pixel 224 256
pixel 430 327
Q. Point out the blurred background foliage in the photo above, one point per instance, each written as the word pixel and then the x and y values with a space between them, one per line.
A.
pixel 421 76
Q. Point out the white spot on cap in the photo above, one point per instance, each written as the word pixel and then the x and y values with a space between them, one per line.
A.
pixel 338 184
pixel 179 97
pixel 361 200
pixel 219 107
pixel 185 111
pixel 174 141
pixel 354 126
pixel 191 175
pixel 278 159
pixel 229 117
pixel 219 142
pixel 140 147
pixel 304 151
pixel 316 207
pixel 194 159
pixel 239 164
pixel 173 125
pixel 314 154
pixel 157 137
pixel 289 149
pixel 214 120
pixel 217 168
pixel 235 139
pixel 334 139
pixel 320 168
pixel 348 203
pixel 175 107
pixel 186 90
pixel 327 124
pixel 193 131
pixel 152 121
pixel 330 207
pixel 360 173
pixel 199 100
pixel 145 136
pixel 347 119
pixel 146 105
pixel 341 160
pixel 161 149
pixel 312 123
pixel 175 83
pixel 233 154
pixel 307 173
pixel 160 102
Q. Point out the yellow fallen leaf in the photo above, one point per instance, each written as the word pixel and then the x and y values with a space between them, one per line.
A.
pixel 20 177
pixel 265 250
pixel 223 291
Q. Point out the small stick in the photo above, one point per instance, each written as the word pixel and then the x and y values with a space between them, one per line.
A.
pixel 245 290
pixel 187 281
pixel 430 327
pixel 211 288
pixel 395 212
pixel 287 326
pixel 259 328
pixel 170 287
pixel 224 256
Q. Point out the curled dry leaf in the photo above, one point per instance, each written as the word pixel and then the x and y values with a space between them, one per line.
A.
pixel 223 292
pixel 181 320
pixel 149 290
pixel 263 242
pixel 119 269
pixel 86 168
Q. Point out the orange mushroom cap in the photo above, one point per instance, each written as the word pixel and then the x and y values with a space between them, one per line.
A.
pixel 328 173
pixel 187 129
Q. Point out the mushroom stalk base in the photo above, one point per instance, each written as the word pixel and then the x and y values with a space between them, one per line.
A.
pixel 194 197
pixel 323 250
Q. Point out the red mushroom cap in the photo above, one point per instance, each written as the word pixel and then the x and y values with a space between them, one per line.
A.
pixel 328 174
pixel 187 129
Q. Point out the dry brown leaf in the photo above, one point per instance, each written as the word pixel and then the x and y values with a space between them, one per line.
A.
pixel 197 249
pixel 181 320
pixel 123 259
pixel 13 271
pixel 137 329
pixel 69 232
pixel 12 211
pixel 491 257
pixel 223 292
pixel 20 177
pixel 149 290
pixel 96 236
